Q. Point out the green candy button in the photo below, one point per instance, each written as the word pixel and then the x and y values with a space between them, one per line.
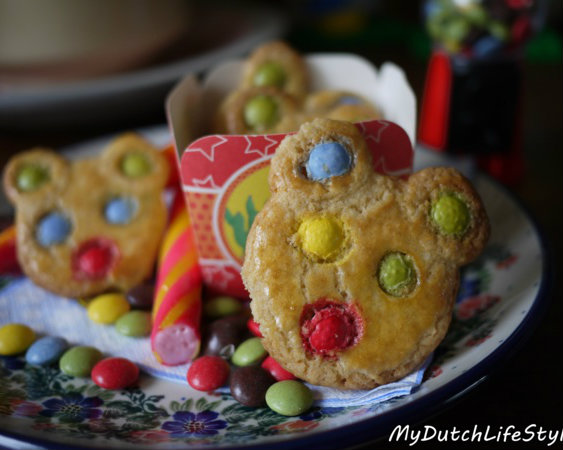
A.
pixel 79 361
pixel 450 214
pixel 289 397
pixel 31 177
pixel 396 275
pixel 260 112
pixel 221 307
pixel 249 352
pixel 134 324
pixel 135 165
pixel 269 74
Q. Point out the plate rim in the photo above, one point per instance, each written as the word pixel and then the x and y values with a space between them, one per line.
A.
pixel 362 431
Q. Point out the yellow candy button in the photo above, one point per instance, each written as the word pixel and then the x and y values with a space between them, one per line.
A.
pixel 322 237
pixel 15 338
pixel 107 308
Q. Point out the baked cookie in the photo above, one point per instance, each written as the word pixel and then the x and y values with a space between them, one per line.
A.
pixel 340 105
pixel 257 110
pixel 275 64
pixel 353 274
pixel 88 226
pixel 326 100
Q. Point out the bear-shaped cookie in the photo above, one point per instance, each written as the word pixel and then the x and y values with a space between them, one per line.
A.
pixel 353 274
pixel 88 226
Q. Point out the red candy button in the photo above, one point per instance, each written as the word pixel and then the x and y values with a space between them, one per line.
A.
pixel 254 328
pixel 328 327
pixel 208 373
pixel 94 259
pixel 115 373
pixel 276 370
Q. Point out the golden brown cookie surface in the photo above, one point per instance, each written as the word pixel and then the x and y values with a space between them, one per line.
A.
pixel 353 274
pixel 92 225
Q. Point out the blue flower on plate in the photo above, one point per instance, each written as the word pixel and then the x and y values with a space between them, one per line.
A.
pixel 73 408
pixel 317 413
pixel 187 423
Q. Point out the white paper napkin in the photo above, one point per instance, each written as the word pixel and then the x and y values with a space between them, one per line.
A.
pixel 48 314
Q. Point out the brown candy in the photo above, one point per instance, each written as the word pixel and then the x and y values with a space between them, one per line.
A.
pixel 141 296
pixel 223 333
pixel 249 385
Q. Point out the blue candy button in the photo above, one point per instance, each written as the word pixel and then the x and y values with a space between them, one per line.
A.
pixel 349 100
pixel 119 210
pixel 326 160
pixel 45 351
pixel 52 229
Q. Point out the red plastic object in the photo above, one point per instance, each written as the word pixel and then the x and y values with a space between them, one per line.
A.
pixel 434 115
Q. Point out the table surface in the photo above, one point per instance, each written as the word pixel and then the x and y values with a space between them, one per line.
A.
pixel 527 388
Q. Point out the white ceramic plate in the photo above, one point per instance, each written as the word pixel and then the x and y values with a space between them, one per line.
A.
pixel 501 295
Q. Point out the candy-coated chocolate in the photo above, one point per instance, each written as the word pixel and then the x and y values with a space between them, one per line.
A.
pixel 120 210
pixel 141 296
pixel 107 308
pixel 208 373
pixel 46 350
pixel 249 352
pixel 221 306
pixel 289 397
pixel 15 338
pixel 260 112
pixel 227 332
pixel 254 328
pixel 79 361
pixel 249 385
pixel 349 100
pixel 115 373
pixel 270 74
pixel 326 160
pixel 134 324
pixel 450 214
pixel 397 275
pixel 52 229
pixel 30 177
pixel 94 259
pixel 321 237
pixel 328 327
pixel 276 370
pixel 135 165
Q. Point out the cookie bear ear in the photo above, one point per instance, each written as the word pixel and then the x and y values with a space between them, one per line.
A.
pixel 257 110
pixel 277 65
pixel 324 159
pixel 451 210
pixel 133 165
pixel 35 175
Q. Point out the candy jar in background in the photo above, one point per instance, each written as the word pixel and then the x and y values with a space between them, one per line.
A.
pixel 473 91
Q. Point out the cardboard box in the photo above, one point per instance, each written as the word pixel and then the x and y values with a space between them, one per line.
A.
pixel 225 177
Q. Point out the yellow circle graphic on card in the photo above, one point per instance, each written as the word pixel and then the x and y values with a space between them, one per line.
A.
pixel 245 196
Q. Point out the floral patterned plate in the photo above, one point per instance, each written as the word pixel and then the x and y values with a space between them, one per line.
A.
pixel 500 295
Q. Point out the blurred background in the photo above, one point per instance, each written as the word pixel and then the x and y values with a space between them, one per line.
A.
pixel 76 70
